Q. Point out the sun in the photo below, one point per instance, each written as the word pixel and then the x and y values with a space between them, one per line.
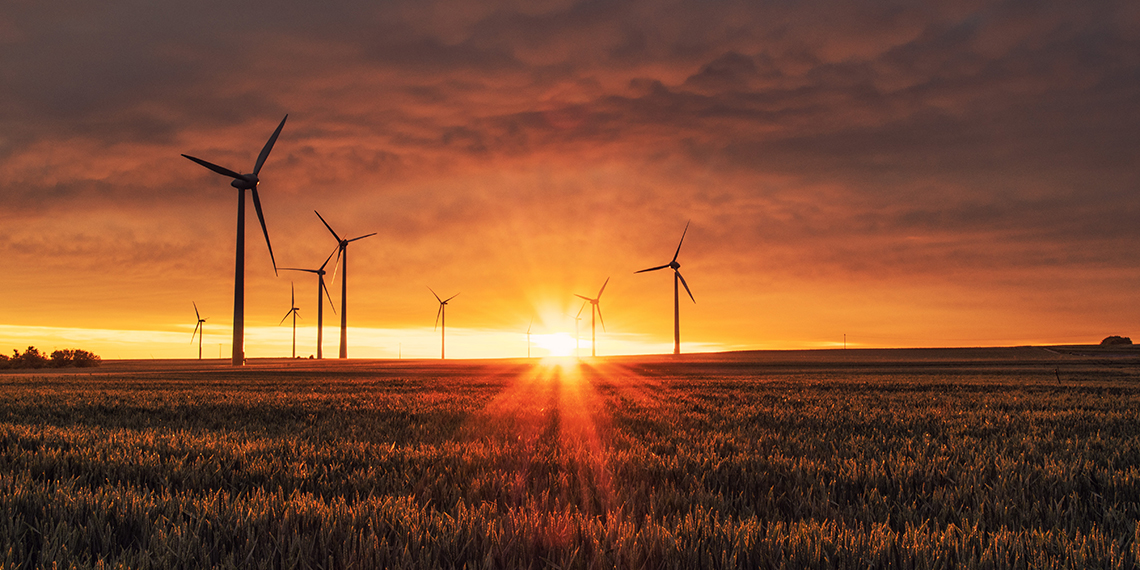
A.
pixel 556 344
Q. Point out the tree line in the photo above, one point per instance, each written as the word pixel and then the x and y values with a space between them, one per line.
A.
pixel 33 358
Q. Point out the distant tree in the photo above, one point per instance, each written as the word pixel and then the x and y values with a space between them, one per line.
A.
pixel 74 357
pixel 1115 340
pixel 32 358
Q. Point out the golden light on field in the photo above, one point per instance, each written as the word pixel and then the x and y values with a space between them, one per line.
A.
pixel 552 409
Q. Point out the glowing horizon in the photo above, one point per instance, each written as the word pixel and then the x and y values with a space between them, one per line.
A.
pixel 413 343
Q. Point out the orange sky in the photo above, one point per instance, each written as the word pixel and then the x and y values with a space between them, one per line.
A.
pixel 951 176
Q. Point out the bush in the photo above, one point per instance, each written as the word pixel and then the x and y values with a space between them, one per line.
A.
pixel 74 357
pixel 1116 340
pixel 33 358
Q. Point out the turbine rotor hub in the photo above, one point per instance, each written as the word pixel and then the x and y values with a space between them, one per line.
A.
pixel 246 182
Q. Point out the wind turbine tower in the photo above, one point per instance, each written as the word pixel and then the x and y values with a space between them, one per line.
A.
pixel 577 343
pixel 320 272
pixel 244 182
pixel 676 292
pixel 441 322
pixel 292 311
pixel 595 308
pixel 342 258
pixel 199 330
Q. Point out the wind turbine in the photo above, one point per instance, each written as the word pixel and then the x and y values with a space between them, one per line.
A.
pixel 577 344
pixel 342 252
pixel 676 292
pixel 244 182
pixel 320 271
pixel 198 330
pixel 594 308
pixel 292 311
pixel 441 318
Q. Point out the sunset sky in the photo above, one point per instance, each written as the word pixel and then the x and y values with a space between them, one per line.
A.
pixel 907 175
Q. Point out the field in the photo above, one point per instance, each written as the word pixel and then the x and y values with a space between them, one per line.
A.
pixel 983 458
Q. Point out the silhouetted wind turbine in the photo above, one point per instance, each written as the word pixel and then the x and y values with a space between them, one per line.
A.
pixel 320 301
pixel 342 258
pixel 244 182
pixel 292 311
pixel 594 308
pixel 676 292
pixel 198 330
pixel 441 319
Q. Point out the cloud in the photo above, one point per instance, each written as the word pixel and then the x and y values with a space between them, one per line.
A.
pixel 884 141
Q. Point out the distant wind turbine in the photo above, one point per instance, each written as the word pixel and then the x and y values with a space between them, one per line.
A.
pixel 342 259
pixel 244 182
pixel 441 319
pixel 577 344
pixel 595 308
pixel 676 292
pixel 320 271
pixel 292 311
pixel 198 330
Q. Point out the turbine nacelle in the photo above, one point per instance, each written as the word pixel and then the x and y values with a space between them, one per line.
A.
pixel 245 182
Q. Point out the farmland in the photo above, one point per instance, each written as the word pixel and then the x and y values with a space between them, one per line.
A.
pixel 985 458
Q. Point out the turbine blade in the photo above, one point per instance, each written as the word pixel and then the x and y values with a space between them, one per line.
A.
pixel 682 240
pixel 331 303
pixel 579 316
pixel 582 297
pixel 285 317
pixel 336 249
pixel 292 295
pixel 686 286
pixel 600 317
pixel 437 314
pixel 268 147
pixel 261 218
pixel 362 237
pixel 196 314
pixel 219 169
pixel 298 269
pixel 337 264
pixel 653 268
pixel 451 297
pixel 326 225
pixel 603 287
pixel 196 327
pixel 436 296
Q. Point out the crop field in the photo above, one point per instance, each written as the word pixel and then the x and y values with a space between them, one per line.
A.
pixel 985 458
